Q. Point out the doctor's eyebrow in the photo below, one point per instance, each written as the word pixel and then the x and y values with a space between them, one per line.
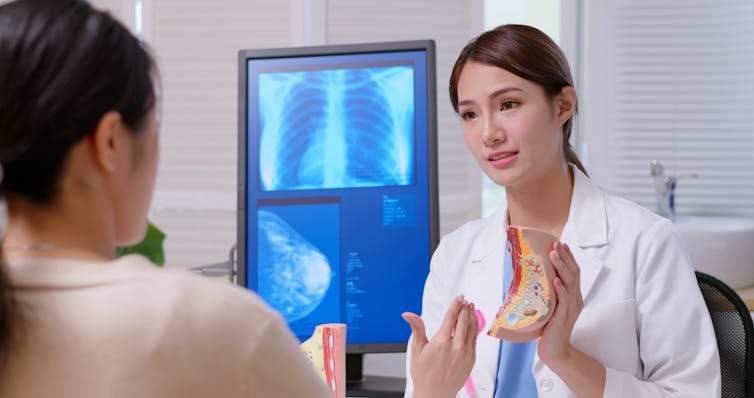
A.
pixel 494 94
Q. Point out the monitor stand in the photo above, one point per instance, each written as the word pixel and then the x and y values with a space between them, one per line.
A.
pixel 360 385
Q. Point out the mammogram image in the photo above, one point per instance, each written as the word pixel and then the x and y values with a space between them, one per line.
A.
pixel 294 275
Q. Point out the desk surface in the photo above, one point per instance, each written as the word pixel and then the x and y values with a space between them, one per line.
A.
pixel 377 387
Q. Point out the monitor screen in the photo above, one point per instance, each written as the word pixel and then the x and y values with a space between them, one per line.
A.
pixel 337 183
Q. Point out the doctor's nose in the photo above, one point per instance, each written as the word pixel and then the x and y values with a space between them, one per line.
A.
pixel 492 133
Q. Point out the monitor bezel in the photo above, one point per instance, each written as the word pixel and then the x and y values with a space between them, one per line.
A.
pixel 428 46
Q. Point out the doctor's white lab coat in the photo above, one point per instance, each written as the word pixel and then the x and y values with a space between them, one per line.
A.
pixel 644 317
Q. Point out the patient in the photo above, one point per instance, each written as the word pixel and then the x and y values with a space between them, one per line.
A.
pixel 79 151
pixel 78 159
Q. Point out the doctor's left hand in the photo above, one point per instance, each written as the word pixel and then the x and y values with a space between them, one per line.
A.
pixel 555 343
pixel 440 366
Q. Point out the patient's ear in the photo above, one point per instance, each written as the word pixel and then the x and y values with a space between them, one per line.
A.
pixel 107 141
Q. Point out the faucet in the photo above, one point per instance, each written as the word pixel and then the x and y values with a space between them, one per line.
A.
pixel 665 189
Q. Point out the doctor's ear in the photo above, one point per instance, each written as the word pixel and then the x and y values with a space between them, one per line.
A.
pixel 565 103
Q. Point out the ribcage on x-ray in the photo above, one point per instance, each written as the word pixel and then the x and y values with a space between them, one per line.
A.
pixel 337 128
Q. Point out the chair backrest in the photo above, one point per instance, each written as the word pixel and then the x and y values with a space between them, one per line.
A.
pixel 735 336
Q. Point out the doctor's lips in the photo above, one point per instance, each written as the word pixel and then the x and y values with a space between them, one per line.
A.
pixel 502 159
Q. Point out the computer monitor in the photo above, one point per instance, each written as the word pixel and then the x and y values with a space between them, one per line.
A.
pixel 337 185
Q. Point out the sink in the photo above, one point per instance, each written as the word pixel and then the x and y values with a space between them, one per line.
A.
pixel 720 246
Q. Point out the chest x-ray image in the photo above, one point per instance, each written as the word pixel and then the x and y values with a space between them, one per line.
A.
pixel 339 128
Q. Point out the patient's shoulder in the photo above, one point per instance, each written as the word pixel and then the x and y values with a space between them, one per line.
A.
pixel 202 298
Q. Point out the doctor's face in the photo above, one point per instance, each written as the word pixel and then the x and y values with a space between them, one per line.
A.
pixel 512 128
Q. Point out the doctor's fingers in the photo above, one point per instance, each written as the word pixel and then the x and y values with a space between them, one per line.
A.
pixel 469 324
pixel 461 330
pixel 419 339
pixel 565 254
pixel 451 318
pixel 565 265
pixel 473 332
pixel 570 261
pixel 570 302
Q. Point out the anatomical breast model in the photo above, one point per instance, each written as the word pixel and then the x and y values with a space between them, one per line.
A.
pixel 326 350
pixel 531 299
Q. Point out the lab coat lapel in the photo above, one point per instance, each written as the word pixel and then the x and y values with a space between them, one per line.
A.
pixel 586 228
pixel 484 287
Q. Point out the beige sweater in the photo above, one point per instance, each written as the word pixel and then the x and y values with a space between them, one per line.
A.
pixel 128 329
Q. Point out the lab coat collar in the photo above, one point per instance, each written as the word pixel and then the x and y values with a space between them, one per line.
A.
pixel 587 216
pixel 585 228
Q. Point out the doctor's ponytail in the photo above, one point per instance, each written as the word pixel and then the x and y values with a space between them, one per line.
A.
pixel 9 310
pixel 9 316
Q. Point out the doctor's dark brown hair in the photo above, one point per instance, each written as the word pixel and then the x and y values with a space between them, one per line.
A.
pixel 527 53
pixel 63 65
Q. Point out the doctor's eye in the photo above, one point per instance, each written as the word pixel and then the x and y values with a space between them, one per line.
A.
pixel 507 105
pixel 468 115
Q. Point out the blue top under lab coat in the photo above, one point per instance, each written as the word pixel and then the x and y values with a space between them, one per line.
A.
pixel 514 377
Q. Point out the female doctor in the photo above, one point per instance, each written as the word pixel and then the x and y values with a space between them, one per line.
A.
pixel 630 320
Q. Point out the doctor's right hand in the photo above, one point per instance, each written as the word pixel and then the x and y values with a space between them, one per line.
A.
pixel 439 367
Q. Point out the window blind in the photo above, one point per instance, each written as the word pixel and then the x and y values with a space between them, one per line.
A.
pixel 679 87
pixel 196 43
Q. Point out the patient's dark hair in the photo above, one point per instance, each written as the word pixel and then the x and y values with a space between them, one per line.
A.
pixel 63 65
